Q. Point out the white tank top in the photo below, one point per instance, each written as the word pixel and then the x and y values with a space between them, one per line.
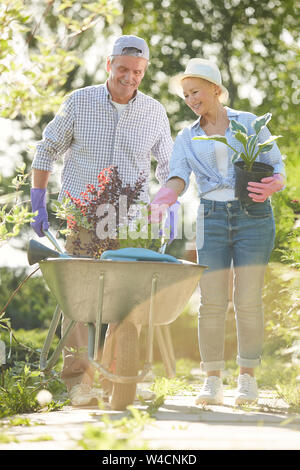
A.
pixel 224 194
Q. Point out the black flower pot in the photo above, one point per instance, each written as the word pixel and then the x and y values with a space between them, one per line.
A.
pixel 242 177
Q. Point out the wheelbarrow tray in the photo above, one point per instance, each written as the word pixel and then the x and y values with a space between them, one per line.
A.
pixel 122 289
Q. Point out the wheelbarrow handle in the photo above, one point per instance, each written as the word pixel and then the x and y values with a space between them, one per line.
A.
pixel 54 242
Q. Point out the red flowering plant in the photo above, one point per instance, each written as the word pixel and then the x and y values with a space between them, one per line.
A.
pixel 104 212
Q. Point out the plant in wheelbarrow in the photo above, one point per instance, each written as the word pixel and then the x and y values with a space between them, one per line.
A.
pixel 246 164
pixel 108 215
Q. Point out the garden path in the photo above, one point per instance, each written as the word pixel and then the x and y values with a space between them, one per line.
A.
pixel 178 424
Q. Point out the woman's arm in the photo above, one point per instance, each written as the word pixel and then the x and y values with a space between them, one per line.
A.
pixel 176 184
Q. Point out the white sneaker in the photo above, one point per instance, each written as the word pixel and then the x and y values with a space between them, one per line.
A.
pixel 212 391
pixel 247 391
pixel 83 394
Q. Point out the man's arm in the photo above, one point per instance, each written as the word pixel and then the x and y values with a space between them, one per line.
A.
pixel 40 178
pixel 57 138
pixel 162 149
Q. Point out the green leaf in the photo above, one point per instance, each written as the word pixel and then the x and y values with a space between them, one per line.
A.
pixel 236 126
pixel 267 143
pixel 235 157
pixel 266 148
pixel 260 122
pixel 242 137
pixel 271 139
pixel 218 138
pixel 252 140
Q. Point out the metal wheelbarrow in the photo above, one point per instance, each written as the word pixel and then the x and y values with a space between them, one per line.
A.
pixel 140 288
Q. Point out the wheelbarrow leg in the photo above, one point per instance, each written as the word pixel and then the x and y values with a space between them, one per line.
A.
pixel 93 338
pixel 45 363
pixel 165 345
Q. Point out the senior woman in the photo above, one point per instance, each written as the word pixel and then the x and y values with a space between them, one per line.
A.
pixel 229 233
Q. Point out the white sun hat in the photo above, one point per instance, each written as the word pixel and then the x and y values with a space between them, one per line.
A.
pixel 199 68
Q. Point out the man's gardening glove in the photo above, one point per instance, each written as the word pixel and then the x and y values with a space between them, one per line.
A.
pixel 259 192
pixel 38 203
pixel 165 198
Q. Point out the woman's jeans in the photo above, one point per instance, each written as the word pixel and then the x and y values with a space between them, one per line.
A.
pixel 242 236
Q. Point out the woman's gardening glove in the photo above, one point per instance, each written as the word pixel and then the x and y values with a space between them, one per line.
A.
pixel 38 203
pixel 259 192
pixel 171 223
pixel 165 198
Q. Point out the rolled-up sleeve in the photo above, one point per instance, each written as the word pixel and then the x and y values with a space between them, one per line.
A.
pixel 57 137
pixel 162 150
pixel 273 157
pixel 179 166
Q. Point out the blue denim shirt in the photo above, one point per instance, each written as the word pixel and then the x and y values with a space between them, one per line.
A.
pixel 199 156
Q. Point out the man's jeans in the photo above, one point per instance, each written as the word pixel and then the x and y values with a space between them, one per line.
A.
pixel 241 236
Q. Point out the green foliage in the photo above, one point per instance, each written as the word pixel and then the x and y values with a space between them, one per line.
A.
pixel 290 393
pixel 118 434
pixel 123 433
pixel 6 439
pixel 14 214
pixel 21 378
pixel 19 388
pixel 164 387
pixel 247 41
pixel 35 59
pixel 286 205
pixel 32 306
pixel 141 234
pixel 281 308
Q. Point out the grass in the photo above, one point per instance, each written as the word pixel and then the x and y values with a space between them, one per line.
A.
pixel 120 434
pixel 44 437
pixel 20 386
pixel 169 387
pixel 290 393
pixel 123 433
pixel 5 439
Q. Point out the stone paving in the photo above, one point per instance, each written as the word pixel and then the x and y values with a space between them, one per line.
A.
pixel 178 424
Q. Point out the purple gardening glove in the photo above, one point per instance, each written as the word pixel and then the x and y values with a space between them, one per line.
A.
pixel 38 203
pixel 172 221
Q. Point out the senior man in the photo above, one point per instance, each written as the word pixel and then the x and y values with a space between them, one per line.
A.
pixel 98 126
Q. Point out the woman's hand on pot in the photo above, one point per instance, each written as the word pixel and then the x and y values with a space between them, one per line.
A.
pixel 259 192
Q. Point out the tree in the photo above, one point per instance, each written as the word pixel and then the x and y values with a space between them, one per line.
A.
pixel 256 45
pixel 39 54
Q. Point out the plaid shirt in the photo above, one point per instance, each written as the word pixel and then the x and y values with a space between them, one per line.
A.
pixel 200 157
pixel 87 132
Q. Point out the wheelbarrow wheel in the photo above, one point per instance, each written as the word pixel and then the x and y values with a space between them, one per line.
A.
pixel 126 365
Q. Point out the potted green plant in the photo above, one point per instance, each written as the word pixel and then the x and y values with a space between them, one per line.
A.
pixel 245 164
